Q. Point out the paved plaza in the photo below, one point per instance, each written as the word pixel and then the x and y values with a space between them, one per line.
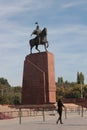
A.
pixel 73 122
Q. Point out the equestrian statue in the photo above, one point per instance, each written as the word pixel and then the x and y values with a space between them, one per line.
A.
pixel 40 39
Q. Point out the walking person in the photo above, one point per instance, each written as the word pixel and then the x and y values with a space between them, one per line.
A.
pixel 59 110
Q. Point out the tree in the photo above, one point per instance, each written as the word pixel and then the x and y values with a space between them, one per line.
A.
pixel 4 100
pixel 80 78
pixel 60 80
pixel 16 100
pixel 4 81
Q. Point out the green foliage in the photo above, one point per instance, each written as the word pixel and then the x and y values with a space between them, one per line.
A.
pixel 17 100
pixel 17 89
pixel 71 90
pixel 14 99
pixel 4 100
pixel 8 94
pixel 60 80
pixel 4 81
pixel 80 78
pixel 85 91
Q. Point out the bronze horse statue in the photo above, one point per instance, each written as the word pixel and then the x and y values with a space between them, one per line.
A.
pixel 39 40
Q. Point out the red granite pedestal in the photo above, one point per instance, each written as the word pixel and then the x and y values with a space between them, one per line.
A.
pixel 39 79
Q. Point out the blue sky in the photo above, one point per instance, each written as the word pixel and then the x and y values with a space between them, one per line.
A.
pixel 66 22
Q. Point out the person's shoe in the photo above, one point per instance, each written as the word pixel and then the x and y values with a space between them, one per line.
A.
pixel 61 122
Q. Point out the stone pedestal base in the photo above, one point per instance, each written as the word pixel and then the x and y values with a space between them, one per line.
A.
pixel 39 79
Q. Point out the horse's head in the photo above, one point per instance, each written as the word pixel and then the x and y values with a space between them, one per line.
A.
pixel 45 31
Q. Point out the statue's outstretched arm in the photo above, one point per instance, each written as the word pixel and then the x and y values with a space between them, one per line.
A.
pixel 32 33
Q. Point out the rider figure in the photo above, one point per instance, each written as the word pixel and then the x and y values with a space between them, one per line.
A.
pixel 36 32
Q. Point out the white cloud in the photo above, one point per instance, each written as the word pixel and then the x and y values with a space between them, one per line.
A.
pixel 10 8
pixel 74 3
pixel 69 34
